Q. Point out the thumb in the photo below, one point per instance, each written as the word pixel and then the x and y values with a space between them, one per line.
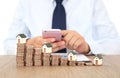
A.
pixel 64 32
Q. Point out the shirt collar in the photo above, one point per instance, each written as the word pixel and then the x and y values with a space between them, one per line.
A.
pixel 54 0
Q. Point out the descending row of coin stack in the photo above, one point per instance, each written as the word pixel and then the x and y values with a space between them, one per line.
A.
pixel 30 56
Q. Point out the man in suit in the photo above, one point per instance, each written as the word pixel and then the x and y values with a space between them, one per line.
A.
pixel 88 28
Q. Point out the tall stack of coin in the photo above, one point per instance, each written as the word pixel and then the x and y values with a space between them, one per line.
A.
pixel 37 57
pixel 46 59
pixel 29 55
pixel 20 56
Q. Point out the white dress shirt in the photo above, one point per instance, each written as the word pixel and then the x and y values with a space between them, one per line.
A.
pixel 87 17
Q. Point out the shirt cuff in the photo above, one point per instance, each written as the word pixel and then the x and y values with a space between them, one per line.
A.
pixel 95 48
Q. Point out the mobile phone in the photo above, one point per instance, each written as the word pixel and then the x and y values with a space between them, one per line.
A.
pixel 52 33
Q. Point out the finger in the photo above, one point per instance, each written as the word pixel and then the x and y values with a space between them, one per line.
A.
pixel 64 32
pixel 57 44
pixel 69 47
pixel 72 42
pixel 41 41
pixel 49 40
pixel 76 44
pixel 59 48
pixel 68 38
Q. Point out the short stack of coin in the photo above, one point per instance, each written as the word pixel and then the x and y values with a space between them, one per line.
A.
pixel 55 60
pixel 63 61
pixel 79 63
pixel 72 63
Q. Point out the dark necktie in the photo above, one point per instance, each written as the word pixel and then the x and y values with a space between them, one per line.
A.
pixel 59 19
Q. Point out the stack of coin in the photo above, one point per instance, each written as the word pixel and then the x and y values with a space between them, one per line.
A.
pixel 79 63
pixel 55 60
pixel 37 57
pixel 72 63
pixel 63 61
pixel 46 59
pixel 29 55
pixel 89 63
pixel 20 56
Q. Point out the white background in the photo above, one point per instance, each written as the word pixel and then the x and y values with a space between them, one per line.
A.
pixel 7 9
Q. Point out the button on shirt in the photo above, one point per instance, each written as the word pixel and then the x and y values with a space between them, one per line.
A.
pixel 87 17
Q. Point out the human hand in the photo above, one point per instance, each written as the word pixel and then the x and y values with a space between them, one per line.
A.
pixel 38 41
pixel 75 41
